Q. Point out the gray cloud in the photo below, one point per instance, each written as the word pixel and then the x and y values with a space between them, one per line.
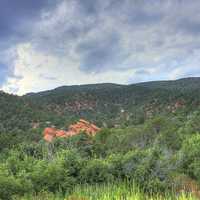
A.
pixel 190 26
pixel 101 36
pixel 100 53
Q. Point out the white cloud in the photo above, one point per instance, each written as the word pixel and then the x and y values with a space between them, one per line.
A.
pixel 34 71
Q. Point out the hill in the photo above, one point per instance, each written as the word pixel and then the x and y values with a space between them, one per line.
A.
pixel 152 139
pixel 105 104
pixel 114 104
pixel 184 84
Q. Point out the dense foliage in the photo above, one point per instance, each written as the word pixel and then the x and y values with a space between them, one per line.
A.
pixel 155 154
pixel 107 105
pixel 158 151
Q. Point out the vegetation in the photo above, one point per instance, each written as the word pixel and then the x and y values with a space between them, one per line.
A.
pixel 149 148
pixel 108 192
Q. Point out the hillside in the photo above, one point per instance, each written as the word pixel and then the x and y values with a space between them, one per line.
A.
pixel 17 113
pixel 184 84
pixel 14 112
pixel 114 104
pixel 149 134
pixel 105 104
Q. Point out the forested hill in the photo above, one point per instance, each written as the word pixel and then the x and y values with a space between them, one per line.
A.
pixel 151 137
pixel 105 104
pixel 184 84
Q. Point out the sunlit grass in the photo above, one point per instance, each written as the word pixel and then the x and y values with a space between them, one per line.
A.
pixel 120 192
pixel 109 192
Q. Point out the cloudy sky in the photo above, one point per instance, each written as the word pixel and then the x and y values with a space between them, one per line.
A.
pixel 48 43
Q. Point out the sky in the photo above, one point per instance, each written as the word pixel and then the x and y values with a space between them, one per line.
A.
pixel 45 44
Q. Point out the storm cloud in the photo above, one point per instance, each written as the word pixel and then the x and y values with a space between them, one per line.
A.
pixel 77 42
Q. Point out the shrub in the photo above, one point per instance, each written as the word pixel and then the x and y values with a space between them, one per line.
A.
pixel 131 161
pixel 51 176
pixel 153 173
pixel 191 156
pixel 72 161
pixel 9 186
pixel 116 165
pixel 96 171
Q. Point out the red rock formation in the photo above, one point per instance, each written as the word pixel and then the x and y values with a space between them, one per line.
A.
pixel 74 129
pixel 49 134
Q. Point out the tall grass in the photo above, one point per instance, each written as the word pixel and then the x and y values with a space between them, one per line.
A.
pixel 109 192
pixel 121 192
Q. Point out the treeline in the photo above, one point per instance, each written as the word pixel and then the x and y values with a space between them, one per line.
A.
pixel 107 105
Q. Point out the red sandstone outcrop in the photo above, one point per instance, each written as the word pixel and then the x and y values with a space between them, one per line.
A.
pixel 74 129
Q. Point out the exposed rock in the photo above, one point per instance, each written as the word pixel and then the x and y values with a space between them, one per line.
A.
pixel 179 104
pixel 74 129
pixel 49 134
pixel 35 125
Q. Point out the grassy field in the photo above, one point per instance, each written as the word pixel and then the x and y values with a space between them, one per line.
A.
pixel 109 192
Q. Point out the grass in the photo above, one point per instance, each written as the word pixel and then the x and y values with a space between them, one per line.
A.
pixel 108 192
pixel 120 192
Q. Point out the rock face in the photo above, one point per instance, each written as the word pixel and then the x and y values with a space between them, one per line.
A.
pixel 74 129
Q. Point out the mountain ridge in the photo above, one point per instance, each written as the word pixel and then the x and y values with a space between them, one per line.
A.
pixel 104 104
pixel 148 84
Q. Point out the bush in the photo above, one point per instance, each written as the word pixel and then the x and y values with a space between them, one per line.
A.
pixel 96 171
pixel 116 165
pixel 9 186
pixel 153 172
pixel 51 177
pixel 191 156
pixel 72 161
pixel 131 161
